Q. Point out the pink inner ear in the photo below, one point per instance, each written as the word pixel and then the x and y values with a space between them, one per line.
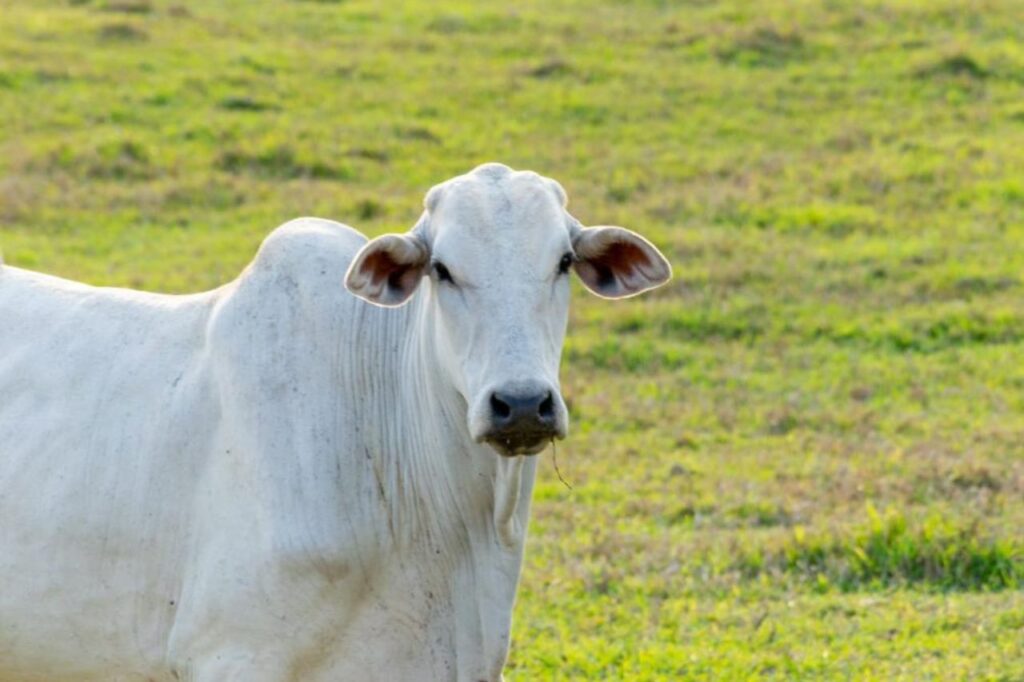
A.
pixel 383 268
pixel 619 259
pixel 379 266
pixel 614 262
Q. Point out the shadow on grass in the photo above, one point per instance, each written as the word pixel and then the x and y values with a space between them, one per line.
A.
pixel 281 162
pixel 955 65
pixel 765 46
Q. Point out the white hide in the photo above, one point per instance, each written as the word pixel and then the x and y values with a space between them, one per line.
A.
pixel 277 481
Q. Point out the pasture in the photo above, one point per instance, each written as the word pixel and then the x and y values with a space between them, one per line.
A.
pixel 804 457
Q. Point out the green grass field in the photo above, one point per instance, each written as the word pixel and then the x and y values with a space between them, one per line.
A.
pixel 804 458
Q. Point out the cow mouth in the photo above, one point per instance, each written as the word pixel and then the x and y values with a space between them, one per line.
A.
pixel 508 445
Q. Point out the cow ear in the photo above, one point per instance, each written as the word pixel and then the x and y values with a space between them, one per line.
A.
pixel 614 262
pixel 387 270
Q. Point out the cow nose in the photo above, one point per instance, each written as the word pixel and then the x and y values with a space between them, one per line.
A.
pixel 531 411
pixel 523 420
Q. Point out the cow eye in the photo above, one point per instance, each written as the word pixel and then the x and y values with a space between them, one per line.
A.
pixel 565 264
pixel 442 272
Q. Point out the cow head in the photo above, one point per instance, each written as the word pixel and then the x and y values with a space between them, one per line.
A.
pixel 494 250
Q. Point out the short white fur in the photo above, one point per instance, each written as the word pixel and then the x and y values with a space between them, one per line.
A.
pixel 276 481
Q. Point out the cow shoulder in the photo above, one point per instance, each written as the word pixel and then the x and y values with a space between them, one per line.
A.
pixel 303 244
pixel 290 297
pixel 301 265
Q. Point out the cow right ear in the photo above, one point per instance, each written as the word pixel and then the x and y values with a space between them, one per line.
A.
pixel 387 270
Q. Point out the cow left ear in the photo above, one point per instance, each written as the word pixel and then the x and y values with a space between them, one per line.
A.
pixel 387 270
pixel 614 262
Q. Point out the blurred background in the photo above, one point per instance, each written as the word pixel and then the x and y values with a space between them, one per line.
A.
pixel 803 457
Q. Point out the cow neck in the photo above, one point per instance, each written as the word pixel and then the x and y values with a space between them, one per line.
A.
pixel 475 505
pixel 440 485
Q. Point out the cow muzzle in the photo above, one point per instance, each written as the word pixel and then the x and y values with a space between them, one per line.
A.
pixel 523 420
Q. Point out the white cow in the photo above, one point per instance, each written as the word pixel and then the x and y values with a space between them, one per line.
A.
pixel 276 481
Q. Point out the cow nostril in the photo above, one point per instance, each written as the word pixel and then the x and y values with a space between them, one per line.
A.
pixel 500 407
pixel 547 407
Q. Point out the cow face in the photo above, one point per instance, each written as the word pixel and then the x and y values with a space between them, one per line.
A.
pixel 494 251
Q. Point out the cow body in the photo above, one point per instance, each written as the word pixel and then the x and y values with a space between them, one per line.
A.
pixel 318 472
pixel 257 483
